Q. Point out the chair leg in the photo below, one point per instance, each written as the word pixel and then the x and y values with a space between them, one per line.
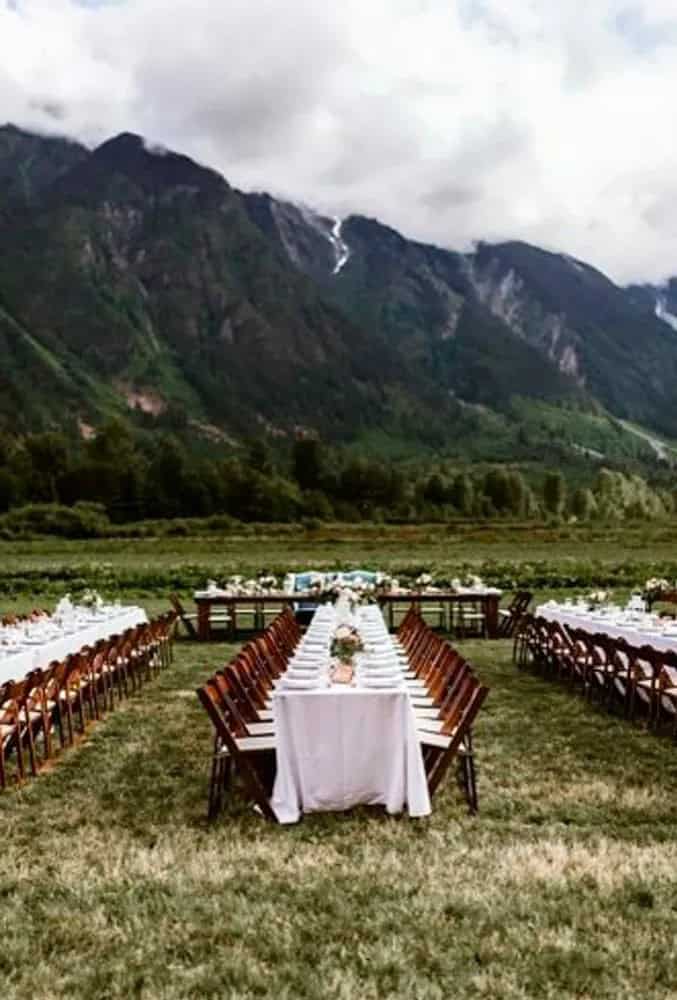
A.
pixel 218 782
pixel 468 775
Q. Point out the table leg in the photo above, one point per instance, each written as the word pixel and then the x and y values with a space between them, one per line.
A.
pixel 204 631
pixel 491 614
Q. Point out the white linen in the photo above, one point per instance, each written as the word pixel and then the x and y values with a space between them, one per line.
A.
pixel 637 633
pixel 341 746
pixel 15 666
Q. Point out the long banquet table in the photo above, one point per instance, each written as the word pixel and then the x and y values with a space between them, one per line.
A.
pixel 342 746
pixel 14 666
pixel 634 633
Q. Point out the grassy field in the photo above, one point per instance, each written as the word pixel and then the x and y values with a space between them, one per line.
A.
pixel 113 885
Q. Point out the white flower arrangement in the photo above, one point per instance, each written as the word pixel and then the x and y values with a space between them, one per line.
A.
pixel 598 597
pixel 236 586
pixel 656 586
pixel 91 599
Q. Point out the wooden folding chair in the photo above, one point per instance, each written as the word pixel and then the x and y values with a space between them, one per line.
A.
pixel 233 743
pixel 509 618
pixel 11 732
pixel 443 741
pixel 187 619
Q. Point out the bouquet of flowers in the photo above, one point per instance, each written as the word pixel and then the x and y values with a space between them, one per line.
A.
pixel 346 643
pixel 91 599
pixel 654 588
pixel 237 586
pixel 387 584
pixel 597 597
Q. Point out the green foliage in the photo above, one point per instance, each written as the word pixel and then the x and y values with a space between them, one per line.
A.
pixel 554 493
pixel 583 504
pixel 82 520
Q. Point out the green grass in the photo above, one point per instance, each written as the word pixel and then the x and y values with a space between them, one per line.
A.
pixel 113 885
pixel 539 557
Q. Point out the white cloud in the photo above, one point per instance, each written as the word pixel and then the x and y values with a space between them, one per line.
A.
pixel 479 119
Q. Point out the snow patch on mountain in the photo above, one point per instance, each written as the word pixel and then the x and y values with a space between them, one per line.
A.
pixel 662 312
pixel 341 248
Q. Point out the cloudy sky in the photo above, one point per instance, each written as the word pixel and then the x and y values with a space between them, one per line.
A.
pixel 452 120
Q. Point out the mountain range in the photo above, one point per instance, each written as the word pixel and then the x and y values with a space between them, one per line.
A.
pixel 134 279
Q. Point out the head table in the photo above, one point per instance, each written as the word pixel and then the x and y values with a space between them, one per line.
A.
pixel 487 598
pixel 338 745
pixel 37 651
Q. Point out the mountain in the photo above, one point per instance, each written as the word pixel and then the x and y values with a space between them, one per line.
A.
pixel 506 320
pixel 30 163
pixel 132 276
pixel 138 271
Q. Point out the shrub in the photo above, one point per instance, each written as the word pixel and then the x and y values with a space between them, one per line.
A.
pixel 82 520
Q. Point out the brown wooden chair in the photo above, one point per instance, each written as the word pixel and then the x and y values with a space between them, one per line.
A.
pixel 508 618
pixel 188 620
pixel 11 727
pixel 235 745
pixel 452 737
pixel 468 619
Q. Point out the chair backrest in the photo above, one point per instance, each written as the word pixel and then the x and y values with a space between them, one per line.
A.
pixel 177 605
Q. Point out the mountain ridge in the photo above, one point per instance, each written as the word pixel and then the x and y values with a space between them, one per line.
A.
pixel 133 265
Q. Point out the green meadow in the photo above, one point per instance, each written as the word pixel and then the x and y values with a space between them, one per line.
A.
pixel 113 885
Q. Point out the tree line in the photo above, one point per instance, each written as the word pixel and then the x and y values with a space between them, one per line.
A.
pixel 135 475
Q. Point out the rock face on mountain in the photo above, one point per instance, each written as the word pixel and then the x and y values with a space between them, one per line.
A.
pixel 511 319
pixel 131 272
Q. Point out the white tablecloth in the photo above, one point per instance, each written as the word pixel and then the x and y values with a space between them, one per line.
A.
pixel 18 665
pixel 633 634
pixel 343 747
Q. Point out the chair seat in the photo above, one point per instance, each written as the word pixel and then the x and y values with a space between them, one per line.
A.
pixel 261 728
pixel 434 739
pixel 266 715
pixel 426 713
pixel 420 702
pixel 254 743
pixel 429 725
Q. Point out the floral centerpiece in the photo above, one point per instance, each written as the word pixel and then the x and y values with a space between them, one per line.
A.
pixel 655 588
pixel 346 643
pixel 91 599
pixel 238 586
pixel 596 598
